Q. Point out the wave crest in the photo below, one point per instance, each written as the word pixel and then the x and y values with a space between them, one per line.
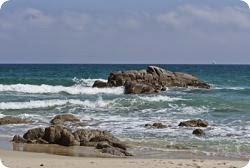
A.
pixel 76 89
pixel 161 98
pixel 52 103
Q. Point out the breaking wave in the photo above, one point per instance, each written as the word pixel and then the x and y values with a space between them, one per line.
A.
pixel 86 82
pixel 51 103
pixel 161 98
pixel 76 89
pixel 232 88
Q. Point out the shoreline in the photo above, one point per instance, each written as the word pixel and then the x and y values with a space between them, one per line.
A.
pixel 138 152
pixel 14 159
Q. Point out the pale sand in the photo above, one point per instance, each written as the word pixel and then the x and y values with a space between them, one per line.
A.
pixel 14 159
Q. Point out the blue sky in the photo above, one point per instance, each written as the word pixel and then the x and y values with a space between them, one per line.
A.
pixel 125 31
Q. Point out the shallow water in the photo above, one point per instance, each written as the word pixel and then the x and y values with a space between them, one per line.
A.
pixel 38 92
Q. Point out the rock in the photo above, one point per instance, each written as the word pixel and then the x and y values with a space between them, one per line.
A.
pixel 152 80
pixel 159 125
pixel 59 135
pixel 156 126
pixel 19 139
pixel 100 84
pixel 102 145
pixel 113 151
pixel 137 88
pixel 37 141
pixel 116 151
pixel 34 134
pixel 87 135
pixel 99 139
pixel 198 132
pixel 13 120
pixel 194 123
pixel 163 89
pixel 60 119
pixel 41 141
pixel 148 125
pixel 156 70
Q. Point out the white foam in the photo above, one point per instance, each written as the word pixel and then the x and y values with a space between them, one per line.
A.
pixel 51 103
pixel 160 98
pixel 76 89
pixel 190 110
pixel 231 88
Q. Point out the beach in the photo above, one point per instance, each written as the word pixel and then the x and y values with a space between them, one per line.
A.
pixel 35 160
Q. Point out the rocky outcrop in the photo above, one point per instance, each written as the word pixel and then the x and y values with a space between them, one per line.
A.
pixel 34 134
pixel 156 125
pixel 61 119
pixel 57 134
pixel 194 123
pixel 13 120
pixel 198 132
pixel 151 80
pixel 19 139
pixel 138 88
pixel 86 135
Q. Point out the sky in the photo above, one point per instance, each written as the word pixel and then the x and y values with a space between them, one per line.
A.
pixel 125 31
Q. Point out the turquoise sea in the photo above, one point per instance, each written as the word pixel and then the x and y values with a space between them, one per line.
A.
pixel 38 92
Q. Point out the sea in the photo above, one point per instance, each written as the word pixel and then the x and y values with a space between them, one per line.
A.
pixel 39 92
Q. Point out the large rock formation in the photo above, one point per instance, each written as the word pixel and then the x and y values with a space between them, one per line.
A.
pixel 152 80
pixel 13 120
pixel 57 134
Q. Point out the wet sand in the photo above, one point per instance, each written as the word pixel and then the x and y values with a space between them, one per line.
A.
pixel 55 156
pixel 14 159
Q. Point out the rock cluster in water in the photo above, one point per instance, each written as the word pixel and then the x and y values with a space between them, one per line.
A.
pixel 61 135
pixel 13 120
pixel 152 80
pixel 198 123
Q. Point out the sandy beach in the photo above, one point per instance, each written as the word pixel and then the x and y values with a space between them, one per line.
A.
pixel 15 159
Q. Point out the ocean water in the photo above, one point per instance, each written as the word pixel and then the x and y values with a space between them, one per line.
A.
pixel 38 92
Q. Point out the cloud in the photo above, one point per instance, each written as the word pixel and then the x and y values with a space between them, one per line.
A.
pixel 2 2
pixel 227 18
pixel 185 32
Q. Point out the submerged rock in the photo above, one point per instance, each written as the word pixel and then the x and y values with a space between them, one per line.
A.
pixel 156 125
pixel 198 132
pixel 60 119
pixel 13 120
pixel 152 80
pixel 115 151
pixel 194 123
